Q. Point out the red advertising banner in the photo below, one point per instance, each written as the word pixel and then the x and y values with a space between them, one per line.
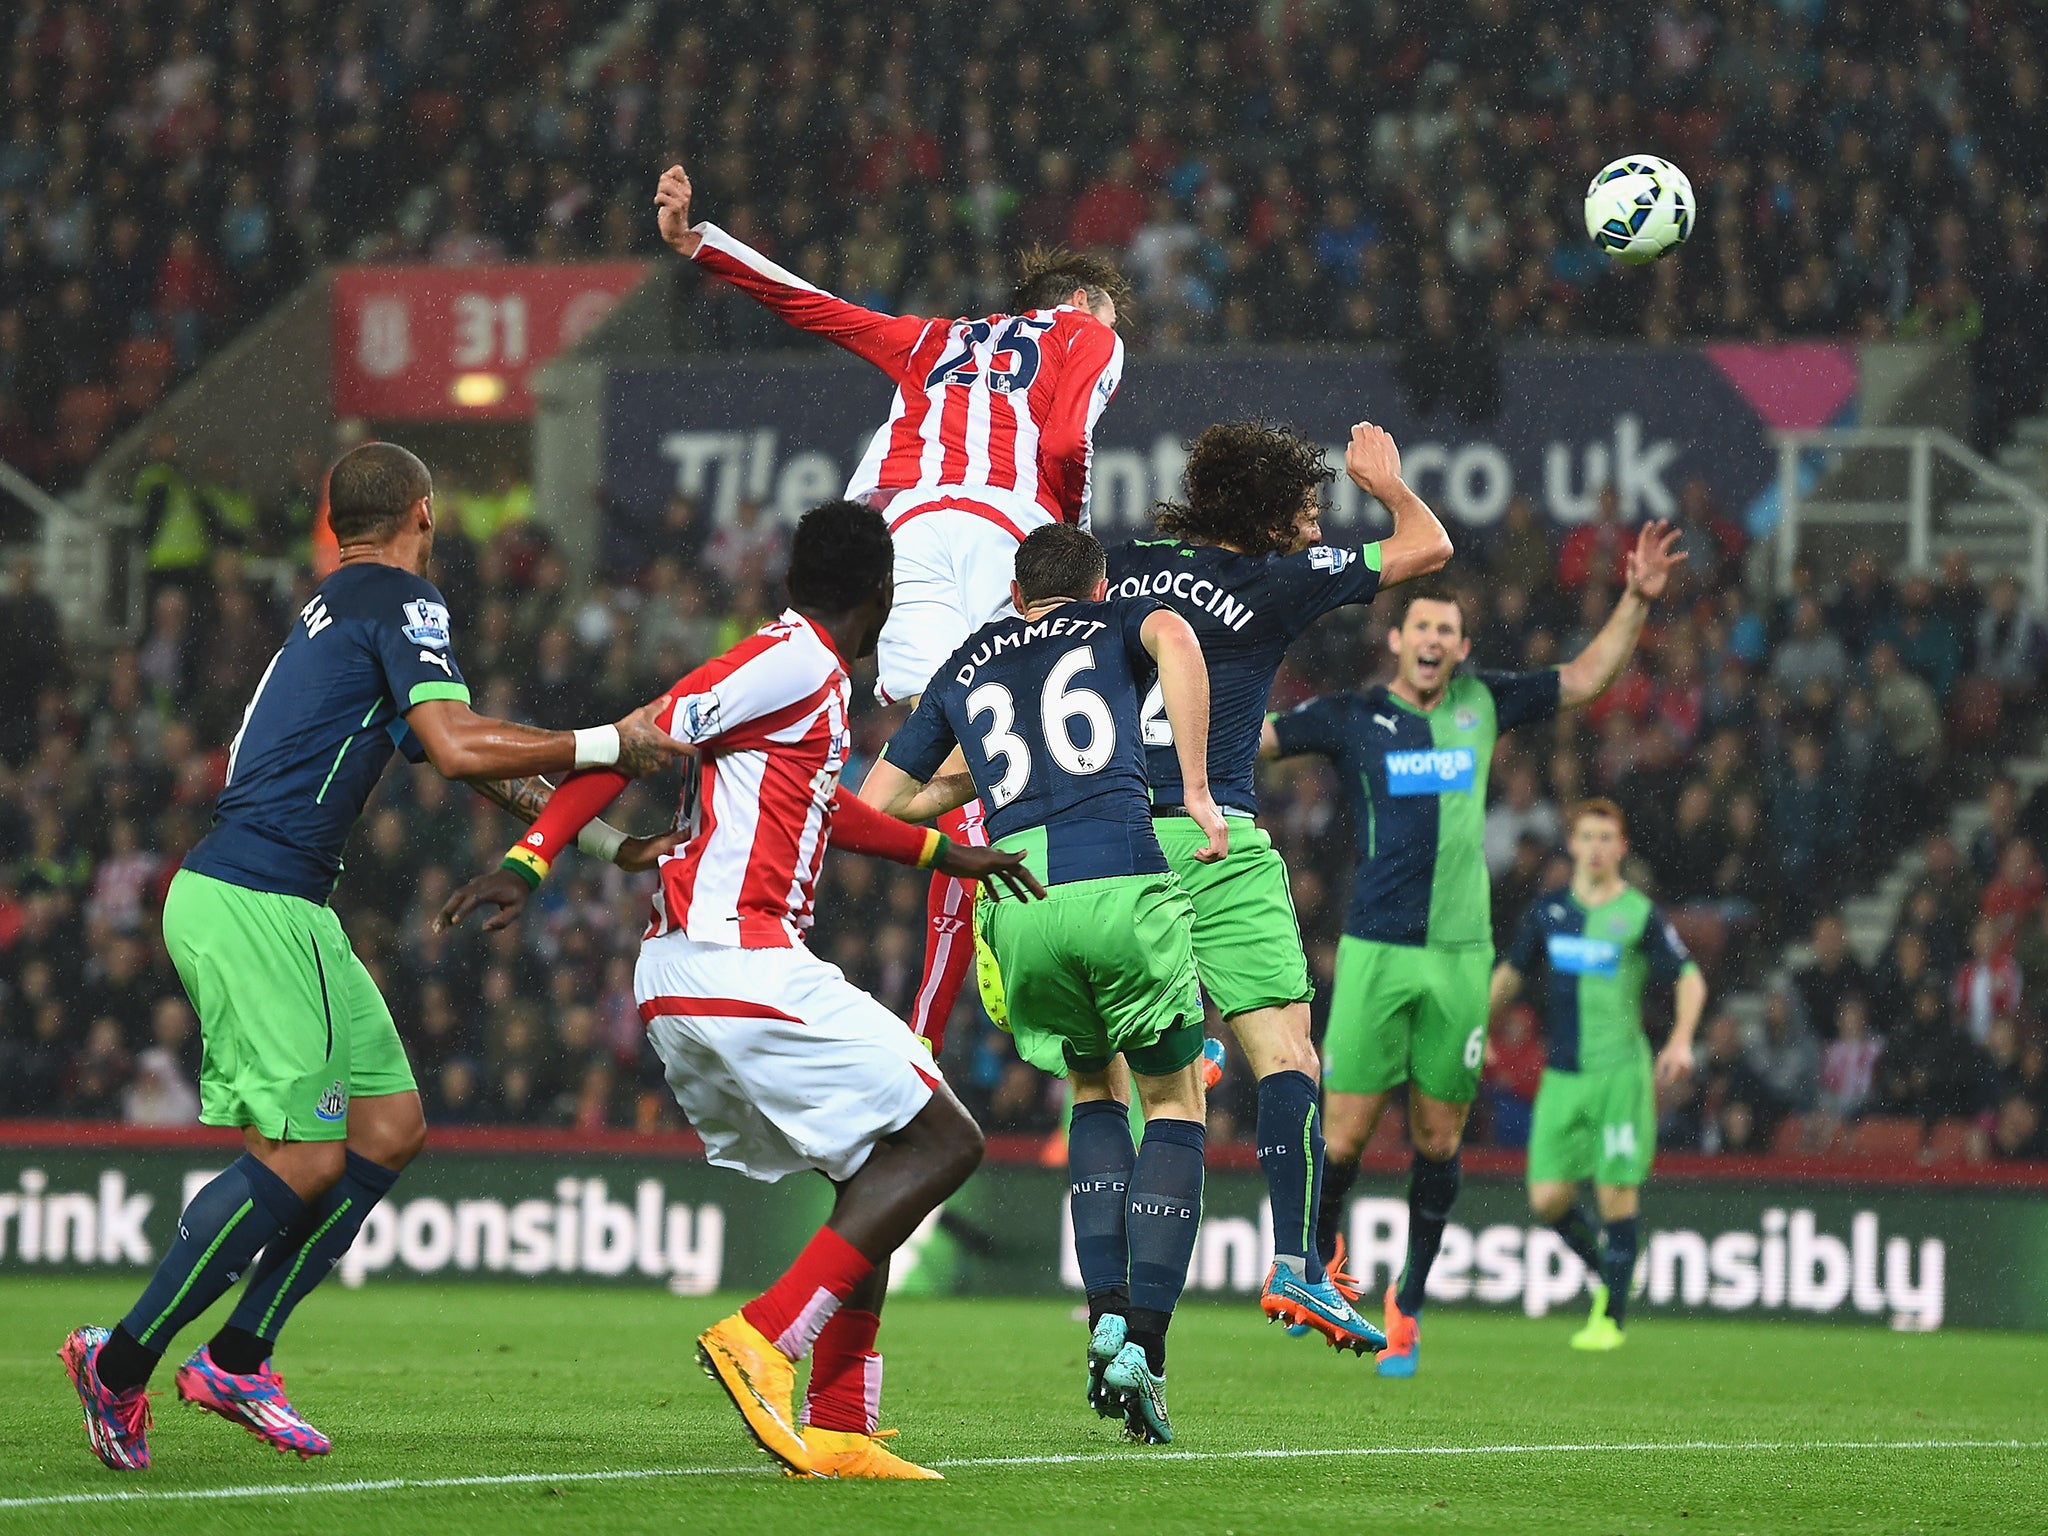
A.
pixel 428 343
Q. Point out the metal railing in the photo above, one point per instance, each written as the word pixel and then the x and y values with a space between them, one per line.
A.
pixel 85 560
pixel 1798 510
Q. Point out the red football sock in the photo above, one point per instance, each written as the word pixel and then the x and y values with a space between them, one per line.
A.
pixel 796 1308
pixel 949 934
pixel 846 1374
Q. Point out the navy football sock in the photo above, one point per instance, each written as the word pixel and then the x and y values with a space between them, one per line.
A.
pixel 298 1260
pixel 1432 1189
pixel 1579 1236
pixel 1100 1157
pixel 219 1235
pixel 1165 1211
pixel 1290 1135
pixel 1618 1265
pixel 1333 1201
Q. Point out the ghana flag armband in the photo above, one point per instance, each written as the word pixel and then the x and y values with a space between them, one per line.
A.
pixel 526 864
pixel 934 844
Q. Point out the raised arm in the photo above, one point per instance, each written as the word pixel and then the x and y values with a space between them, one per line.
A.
pixel 1589 674
pixel 462 744
pixel 887 341
pixel 1184 689
pixel 1419 545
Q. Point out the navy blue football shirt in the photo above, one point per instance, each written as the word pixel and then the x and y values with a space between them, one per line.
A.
pixel 1418 797
pixel 370 644
pixel 1047 713
pixel 1246 610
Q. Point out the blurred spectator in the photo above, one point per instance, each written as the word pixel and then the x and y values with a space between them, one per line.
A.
pixel 1864 606
pixel 1909 709
pixel 1732 1109
pixel 1848 1070
pixel 1924 638
pixel 1812 653
pixel 1786 1056
pixel 1833 975
pixel 97 1074
pixel 1522 812
pixel 1596 551
pixel 1988 985
pixel 2011 645
pixel 1514 1069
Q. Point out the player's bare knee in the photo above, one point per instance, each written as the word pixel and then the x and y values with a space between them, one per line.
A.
pixel 310 1168
pixel 1549 1202
pixel 964 1148
pixel 947 1140
pixel 1436 1143
pixel 398 1146
pixel 390 1130
pixel 1618 1202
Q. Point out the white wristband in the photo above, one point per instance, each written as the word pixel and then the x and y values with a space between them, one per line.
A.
pixel 597 746
pixel 601 840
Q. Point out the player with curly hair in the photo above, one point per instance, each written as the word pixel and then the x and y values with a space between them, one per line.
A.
pixel 1243 560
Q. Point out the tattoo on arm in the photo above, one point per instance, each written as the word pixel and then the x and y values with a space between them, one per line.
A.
pixel 525 798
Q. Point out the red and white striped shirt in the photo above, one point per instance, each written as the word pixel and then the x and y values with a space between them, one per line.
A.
pixel 769 719
pixel 1004 403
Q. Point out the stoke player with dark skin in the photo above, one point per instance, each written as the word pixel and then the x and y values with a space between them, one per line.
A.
pixel 910 1172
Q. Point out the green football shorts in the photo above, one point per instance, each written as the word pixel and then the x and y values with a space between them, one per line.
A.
pixel 1247 942
pixel 293 1025
pixel 1099 968
pixel 1408 1013
pixel 1595 1125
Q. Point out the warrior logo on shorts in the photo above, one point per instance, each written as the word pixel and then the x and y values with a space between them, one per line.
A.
pixel 333 1103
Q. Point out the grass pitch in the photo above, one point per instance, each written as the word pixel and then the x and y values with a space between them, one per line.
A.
pixel 501 1410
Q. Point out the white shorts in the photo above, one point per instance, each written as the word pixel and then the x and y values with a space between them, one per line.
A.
pixel 779 1061
pixel 955 554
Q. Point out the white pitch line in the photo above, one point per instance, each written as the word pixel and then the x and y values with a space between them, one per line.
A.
pixel 639 1474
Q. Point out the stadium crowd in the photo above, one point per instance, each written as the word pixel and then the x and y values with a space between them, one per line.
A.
pixel 1769 763
pixel 1305 173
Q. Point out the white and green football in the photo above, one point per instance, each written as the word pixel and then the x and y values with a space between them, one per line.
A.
pixel 1638 208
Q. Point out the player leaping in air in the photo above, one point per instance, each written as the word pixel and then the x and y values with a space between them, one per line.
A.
pixel 1597 942
pixel 780 1063
pixel 1243 561
pixel 1046 705
pixel 1410 1000
pixel 301 1052
pixel 990 435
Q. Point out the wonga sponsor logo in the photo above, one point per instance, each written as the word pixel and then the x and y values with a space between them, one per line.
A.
pixel 1583 957
pixel 1431 773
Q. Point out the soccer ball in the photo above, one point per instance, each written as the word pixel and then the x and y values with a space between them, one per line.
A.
pixel 1638 208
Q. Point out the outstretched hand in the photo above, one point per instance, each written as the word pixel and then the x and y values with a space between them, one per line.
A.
pixel 1653 559
pixel 672 212
pixel 988 865
pixel 500 888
